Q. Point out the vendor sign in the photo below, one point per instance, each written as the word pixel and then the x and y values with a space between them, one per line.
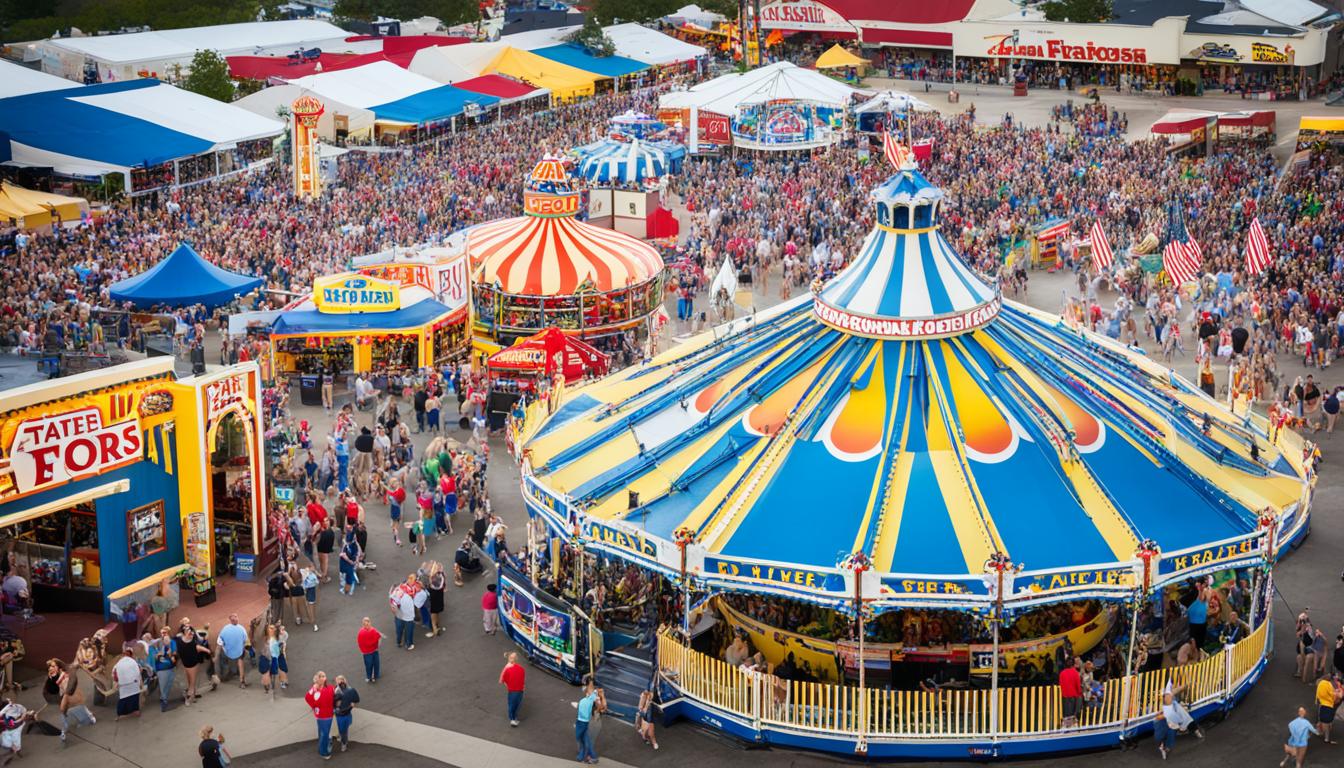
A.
pixel 356 293
pixel 56 449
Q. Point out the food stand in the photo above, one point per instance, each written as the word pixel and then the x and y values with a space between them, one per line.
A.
pixel 524 366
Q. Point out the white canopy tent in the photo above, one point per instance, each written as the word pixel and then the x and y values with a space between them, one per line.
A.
pixel 781 81
pixel 438 65
pixel 18 80
pixel 24 155
pixel 223 124
pixel 638 42
pixel 693 14
pixel 472 57
pixel 894 101
pixel 267 101
pixel 380 82
pixel 539 38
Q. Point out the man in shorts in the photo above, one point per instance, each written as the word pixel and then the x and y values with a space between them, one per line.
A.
pixel 231 646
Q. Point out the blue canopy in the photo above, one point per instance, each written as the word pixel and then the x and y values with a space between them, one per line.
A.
pixel 181 280
pixel 55 122
pixel 301 322
pixel 577 56
pixel 435 104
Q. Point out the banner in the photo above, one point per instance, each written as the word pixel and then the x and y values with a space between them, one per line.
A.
pixel 630 205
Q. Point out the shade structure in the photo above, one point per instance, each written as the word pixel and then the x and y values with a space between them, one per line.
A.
pixel 547 353
pixel 439 103
pixel 638 42
pixel 1184 121
pixel 898 102
pixel 548 252
pixel 577 56
pixel 778 82
pixel 637 124
pixel 929 427
pixel 31 208
pixel 183 279
pixel 305 319
pixel 505 89
pixel 18 80
pixel 836 57
pixel 564 81
pixel 628 161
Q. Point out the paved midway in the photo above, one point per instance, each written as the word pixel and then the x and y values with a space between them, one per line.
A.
pixel 441 704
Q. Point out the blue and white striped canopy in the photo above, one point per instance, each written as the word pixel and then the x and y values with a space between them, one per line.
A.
pixel 628 161
pixel 906 269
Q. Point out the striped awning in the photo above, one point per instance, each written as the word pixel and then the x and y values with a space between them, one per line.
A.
pixel 540 256
pixel 624 161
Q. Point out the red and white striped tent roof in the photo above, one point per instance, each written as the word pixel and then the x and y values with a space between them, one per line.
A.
pixel 554 254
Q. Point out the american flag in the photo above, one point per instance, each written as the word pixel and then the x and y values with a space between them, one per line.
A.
pixel 1102 258
pixel 1257 249
pixel 1180 264
pixel 896 153
pixel 1193 251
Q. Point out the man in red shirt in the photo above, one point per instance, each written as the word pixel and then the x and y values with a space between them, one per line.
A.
pixel 321 699
pixel 368 638
pixel 1071 691
pixel 513 678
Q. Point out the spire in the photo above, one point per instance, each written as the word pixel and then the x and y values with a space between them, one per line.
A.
pixel 907 282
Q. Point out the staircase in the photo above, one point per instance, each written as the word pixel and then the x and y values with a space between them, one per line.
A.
pixel 624 674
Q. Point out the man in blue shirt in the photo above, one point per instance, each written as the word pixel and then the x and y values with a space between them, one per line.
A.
pixel 231 645
pixel 589 706
pixel 1299 731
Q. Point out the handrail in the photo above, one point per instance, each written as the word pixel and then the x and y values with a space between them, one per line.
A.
pixel 1023 711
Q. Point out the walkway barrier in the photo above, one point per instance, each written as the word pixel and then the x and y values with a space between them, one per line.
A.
pixel 832 710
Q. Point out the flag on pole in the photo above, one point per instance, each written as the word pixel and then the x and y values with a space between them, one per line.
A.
pixel 1180 266
pixel 1192 251
pixel 1257 249
pixel 896 153
pixel 1102 257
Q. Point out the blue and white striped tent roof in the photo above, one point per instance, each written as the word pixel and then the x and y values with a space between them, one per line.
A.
pixel 906 270
pixel 627 161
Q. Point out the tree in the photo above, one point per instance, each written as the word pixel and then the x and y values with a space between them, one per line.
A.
pixel 611 11
pixel 358 10
pixel 591 36
pixel 209 76
pixel 1079 11
pixel 449 12
pixel 725 8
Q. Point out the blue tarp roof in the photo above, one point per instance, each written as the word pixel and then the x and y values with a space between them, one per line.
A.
pixel 577 56
pixel 305 321
pixel 55 122
pixel 183 279
pixel 434 104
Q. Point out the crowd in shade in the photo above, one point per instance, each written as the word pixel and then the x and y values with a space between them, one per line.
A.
pixel 777 213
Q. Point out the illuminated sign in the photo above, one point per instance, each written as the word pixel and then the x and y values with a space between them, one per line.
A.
pixel 806 578
pixel 305 112
pixel 1207 556
pixel 550 205
pixel 1120 576
pixel 52 450
pixel 223 394
pixel 892 328
pixel 631 541
pixel 1265 53
pixel 1055 49
pixel 356 293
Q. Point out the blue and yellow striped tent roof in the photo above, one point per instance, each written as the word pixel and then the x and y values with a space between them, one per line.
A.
pixel 793 441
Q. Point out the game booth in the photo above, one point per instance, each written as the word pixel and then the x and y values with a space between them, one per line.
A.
pixel 1046 239
pixel 899 505
pixel 532 363
pixel 114 483
pixel 383 318
pixel 546 268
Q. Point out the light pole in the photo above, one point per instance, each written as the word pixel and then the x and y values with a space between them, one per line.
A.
pixel 684 537
pixel 1149 555
pixel 857 563
pixel 1000 573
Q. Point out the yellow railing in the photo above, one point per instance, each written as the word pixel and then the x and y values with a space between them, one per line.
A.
pixel 1022 711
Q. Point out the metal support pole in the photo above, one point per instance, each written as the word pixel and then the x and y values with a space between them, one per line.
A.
pixel 994 668
pixel 861 746
pixel 1128 682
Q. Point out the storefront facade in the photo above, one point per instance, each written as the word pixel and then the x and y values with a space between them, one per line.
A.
pixel 105 479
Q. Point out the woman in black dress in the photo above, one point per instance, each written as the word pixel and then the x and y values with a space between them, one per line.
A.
pixel 437 582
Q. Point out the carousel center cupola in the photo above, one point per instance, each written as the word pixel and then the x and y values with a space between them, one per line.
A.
pixel 907 281
pixel 548 192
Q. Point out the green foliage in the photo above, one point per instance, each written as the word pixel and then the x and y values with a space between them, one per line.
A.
pixel 1078 11
pixel 591 36
pixel 610 11
pixel 22 20
pixel 726 8
pixel 449 12
pixel 209 76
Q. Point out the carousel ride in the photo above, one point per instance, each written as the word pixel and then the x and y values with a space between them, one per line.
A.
pixel 546 268
pixel 958 494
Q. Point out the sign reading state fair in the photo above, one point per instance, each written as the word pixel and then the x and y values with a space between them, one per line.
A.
pixel 58 449
pixel 356 293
